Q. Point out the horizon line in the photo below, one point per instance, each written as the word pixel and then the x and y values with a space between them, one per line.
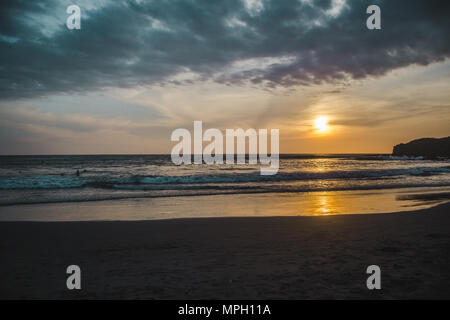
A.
pixel 168 154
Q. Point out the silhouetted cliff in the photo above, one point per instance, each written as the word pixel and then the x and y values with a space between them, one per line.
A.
pixel 426 147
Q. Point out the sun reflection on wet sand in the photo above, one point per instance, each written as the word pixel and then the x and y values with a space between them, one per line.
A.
pixel 323 206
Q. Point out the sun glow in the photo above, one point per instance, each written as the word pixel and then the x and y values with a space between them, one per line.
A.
pixel 321 124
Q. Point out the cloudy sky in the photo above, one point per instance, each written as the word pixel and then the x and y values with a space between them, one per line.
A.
pixel 137 70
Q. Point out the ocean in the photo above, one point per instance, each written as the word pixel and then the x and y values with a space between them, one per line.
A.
pixel 53 179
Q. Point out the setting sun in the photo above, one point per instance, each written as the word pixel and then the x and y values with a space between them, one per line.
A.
pixel 321 124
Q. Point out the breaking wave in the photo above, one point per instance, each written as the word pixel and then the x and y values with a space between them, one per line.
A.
pixel 161 182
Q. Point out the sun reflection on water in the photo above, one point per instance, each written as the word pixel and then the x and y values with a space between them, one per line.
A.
pixel 324 205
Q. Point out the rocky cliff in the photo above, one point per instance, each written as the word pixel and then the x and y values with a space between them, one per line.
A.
pixel 427 147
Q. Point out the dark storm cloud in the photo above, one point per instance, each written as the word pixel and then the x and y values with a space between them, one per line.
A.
pixel 130 43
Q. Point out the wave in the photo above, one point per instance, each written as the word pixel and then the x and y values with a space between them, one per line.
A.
pixel 390 157
pixel 208 192
pixel 41 182
pixel 164 181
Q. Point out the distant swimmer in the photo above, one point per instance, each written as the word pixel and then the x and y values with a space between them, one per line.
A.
pixel 78 173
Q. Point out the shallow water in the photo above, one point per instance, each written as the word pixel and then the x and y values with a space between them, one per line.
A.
pixel 320 203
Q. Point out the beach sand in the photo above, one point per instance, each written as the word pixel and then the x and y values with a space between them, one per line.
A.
pixel 231 258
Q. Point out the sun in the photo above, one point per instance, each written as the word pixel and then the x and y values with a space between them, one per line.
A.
pixel 321 124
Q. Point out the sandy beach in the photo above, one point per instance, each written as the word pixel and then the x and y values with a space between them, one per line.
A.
pixel 231 258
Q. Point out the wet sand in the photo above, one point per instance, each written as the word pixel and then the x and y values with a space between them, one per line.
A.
pixel 231 258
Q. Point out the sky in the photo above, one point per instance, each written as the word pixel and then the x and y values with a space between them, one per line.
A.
pixel 137 70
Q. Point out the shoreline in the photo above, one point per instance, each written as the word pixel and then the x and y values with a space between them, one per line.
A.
pixel 299 257
pixel 232 205
pixel 408 210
